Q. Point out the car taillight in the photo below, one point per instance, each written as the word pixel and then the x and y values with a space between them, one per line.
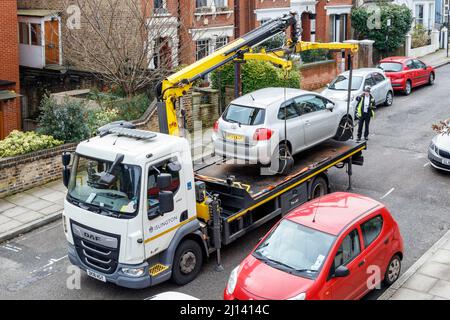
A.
pixel 216 126
pixel 262 134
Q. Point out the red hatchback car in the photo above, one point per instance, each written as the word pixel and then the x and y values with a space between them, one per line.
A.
pixel 339 246
pixel 406 73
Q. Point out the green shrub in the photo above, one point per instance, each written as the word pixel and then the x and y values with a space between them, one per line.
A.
pixel 131 108
pixel 17 143
pixel 315 55
pixel 255 75
pixel 66 122
pixel 98 118
pixel 420 37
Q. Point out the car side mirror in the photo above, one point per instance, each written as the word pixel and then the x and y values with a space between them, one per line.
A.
pixel 327 85
pixel 341 272
pixel 330 106
pixel 164 181
pixel 166 202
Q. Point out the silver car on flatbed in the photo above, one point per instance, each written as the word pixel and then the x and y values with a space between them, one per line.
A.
pixel 252 128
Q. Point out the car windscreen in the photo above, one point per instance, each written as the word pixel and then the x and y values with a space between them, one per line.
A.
pixel 341 83
pixel 244 115
pixel 391 66
pixel 296 249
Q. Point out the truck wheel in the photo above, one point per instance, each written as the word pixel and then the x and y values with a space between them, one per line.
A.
pixel 345 129
pixel 393 270
pixel 187 262
pixel 319 188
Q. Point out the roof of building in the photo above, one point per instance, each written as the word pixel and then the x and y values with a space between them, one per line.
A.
pixel 37 13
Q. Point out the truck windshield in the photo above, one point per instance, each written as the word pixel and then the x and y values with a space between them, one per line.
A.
pixel 295 249
pixel 341 83
pixel 244 115
pixel 119 200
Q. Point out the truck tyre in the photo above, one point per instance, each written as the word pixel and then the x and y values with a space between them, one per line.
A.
pixel 345 129
pixel 187 262
pixel 393 270
pixel 319 187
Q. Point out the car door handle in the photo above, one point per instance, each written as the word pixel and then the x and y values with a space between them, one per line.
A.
pixel 361 263
pixel 307 123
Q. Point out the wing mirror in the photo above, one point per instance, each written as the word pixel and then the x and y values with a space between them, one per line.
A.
pixel 330 106
pixel 164 181
pixel 66 157
pixel 166 202
pixel 341 272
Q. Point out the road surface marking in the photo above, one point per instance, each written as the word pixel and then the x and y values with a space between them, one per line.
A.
pixel 388 193
pixel 426 164
pixel 12 248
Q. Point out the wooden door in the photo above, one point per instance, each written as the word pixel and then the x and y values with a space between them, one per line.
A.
pixel 52 42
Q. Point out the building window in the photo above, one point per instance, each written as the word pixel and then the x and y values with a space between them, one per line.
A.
pixel 430 15
pixel 220 4
pixel 36 36
pixel 24 33
pixel 419 14
pixel 221 42
pixel 202 49
pixel 200 3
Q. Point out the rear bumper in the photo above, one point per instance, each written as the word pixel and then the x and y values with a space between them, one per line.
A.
pixel 261 153
pixel 121 279
pixel 398 84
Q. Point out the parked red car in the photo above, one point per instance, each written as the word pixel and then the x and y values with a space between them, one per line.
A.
pixel 329 248
pixel 406 73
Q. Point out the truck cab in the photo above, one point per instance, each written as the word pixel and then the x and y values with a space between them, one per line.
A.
pixel 117 230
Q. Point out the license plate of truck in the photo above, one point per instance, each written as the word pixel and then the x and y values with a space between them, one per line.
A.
pixel 235 137
pixel 96 275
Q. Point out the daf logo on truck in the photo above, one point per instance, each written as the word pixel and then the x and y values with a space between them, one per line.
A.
pixel 91 237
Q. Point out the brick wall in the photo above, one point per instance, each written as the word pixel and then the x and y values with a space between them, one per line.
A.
pixel 316 75
pixel 27 171
pixel 9 66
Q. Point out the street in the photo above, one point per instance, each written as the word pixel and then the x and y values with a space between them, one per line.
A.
pixel 396 171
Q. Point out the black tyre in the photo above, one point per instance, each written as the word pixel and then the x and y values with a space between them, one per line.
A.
pixel 282 160
pixel 389 99
pixel 187 262
pixel 408 88
pixel 431 79
pixel 319 188
pixel 345 129
pixel 393 270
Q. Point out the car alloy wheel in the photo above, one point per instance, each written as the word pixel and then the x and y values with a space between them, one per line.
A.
pixel 389 99
pixel 408 88
pixel 431 80
pixel 393 270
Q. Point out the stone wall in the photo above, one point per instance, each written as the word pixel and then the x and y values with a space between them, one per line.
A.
pixel 31 170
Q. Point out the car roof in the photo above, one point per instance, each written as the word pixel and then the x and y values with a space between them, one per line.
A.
pixel 263 98
pixel 395 59
pixel 363 71
pixel 334 212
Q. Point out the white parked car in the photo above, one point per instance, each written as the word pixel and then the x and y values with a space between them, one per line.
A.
pixel 439 151
pixel 252 128
pixel 375 78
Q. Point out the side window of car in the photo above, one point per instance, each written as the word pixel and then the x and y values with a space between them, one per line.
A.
pixel 349 249
pixel 378 77
pixel 289 110
pixel 410 64
pixel 369 81
pixel 419 64
pixel 371 229
pixel 304 105
pixel 152 187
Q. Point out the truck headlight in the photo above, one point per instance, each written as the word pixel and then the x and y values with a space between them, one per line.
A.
pixel 133 272
pixel 301 296
pixel 232 280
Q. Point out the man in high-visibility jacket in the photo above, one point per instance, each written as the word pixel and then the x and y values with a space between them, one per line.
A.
pixel 365 111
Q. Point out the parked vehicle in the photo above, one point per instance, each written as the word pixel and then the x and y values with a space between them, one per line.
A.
pixel 439 152
pixel 381 88
pixel 329 248
pixel 252 127
pixel 407 73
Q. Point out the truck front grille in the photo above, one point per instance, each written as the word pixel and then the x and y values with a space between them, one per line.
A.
pixel 97 250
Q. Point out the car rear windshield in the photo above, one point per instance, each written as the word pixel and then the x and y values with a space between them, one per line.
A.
pixel 341 83
pixel 391 66
pixel 244 115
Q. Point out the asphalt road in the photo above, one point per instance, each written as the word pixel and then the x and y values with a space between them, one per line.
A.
pixel 396 170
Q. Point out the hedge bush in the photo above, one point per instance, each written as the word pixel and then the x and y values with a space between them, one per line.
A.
pixel 315 55
pixel 255 75
pixel 17 143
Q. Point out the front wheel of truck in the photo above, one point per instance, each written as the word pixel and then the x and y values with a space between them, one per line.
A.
pixel 187 262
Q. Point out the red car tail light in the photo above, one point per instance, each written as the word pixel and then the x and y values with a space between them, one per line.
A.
pixel 216 126
pixel 262 134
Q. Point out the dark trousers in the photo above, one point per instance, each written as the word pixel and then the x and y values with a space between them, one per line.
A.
pixel 364 121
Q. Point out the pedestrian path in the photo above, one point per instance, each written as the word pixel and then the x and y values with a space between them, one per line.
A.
pixel 428 278
pixel 25 211
pixel 437 59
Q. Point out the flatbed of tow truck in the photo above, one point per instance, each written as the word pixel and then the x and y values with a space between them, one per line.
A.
pixel 248 199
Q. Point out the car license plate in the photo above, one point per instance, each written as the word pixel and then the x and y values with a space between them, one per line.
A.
pixel 96 275
pixel 446 162
pixel 235 137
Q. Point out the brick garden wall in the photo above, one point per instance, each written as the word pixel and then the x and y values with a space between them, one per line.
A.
pixel 31 170
pixel 317 74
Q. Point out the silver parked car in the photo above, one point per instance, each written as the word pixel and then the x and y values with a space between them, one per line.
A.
pixel 252 128
pixel 439 152
pixel 375 78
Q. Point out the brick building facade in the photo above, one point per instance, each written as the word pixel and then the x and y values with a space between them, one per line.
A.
pixel 9 69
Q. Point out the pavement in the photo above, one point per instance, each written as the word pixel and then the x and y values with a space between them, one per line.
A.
pixel 31 209
pixel 427 279
pixel 437 59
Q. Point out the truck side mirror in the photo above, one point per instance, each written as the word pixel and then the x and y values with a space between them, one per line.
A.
pixel 166 202
pixel 164 181
pixel 65 158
